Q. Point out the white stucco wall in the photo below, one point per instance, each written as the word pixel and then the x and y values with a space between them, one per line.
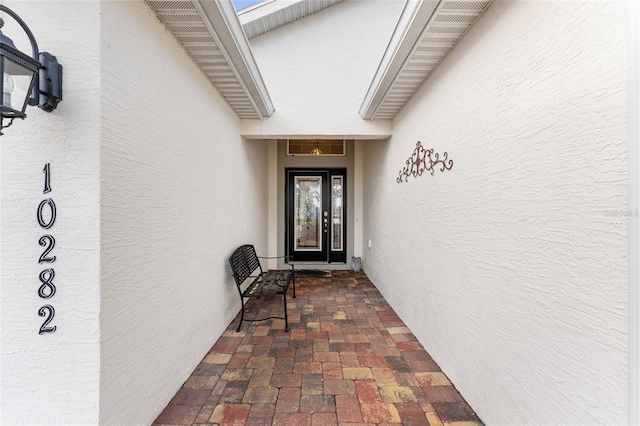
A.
pixel 319 68
pixel 53 378
pixel 180 191
pixel 633 70
pixel 511 268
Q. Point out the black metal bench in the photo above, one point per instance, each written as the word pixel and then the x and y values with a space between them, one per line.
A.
pixel 244 265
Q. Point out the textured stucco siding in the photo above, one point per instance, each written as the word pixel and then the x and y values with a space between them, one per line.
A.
pixel 511 268
pixel 180 190
pixel 319 68
pixel 53 378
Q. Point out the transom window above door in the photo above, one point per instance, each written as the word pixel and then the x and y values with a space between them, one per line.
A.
pixel 334 147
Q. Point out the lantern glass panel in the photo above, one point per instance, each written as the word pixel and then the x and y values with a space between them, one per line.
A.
pixel 16 85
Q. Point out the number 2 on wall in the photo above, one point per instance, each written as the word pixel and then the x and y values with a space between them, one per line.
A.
pixel 49 316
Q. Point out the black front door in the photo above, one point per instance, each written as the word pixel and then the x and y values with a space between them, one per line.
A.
pixel 316 214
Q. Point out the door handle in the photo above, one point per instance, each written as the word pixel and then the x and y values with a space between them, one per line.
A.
pixel 325 221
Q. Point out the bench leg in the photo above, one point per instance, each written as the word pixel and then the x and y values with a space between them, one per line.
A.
pixel 293 278
pixel 286 321
pixel 241 314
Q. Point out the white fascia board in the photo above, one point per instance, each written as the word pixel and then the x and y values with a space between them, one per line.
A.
pixel 414 17
pixel 222 17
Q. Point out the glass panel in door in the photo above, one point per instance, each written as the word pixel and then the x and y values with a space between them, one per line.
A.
pixel 337 218
pixel 308 213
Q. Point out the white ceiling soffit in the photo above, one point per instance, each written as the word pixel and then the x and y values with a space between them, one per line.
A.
pixel 211 34
pixel 426 33
pixel 271 14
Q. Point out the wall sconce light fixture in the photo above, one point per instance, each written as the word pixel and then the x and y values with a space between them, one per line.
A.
pixel 26 80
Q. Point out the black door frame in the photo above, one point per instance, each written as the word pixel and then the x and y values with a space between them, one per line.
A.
pixel 327 254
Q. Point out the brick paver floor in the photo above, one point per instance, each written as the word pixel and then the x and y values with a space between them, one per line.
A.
pixel 347 359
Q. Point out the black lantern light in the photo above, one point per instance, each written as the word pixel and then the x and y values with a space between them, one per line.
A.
pixel 32 80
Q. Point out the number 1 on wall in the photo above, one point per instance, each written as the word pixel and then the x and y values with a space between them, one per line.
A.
pixel 47 178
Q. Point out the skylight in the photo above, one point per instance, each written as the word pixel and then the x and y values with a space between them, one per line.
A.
pixel 241 4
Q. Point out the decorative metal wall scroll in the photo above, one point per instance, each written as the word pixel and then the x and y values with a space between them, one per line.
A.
pixel 421 160
pixel 47 289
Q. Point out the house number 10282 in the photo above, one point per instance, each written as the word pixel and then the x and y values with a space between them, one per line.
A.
pixel 47 288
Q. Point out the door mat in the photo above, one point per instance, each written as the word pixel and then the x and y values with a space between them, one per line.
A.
pixel 312 273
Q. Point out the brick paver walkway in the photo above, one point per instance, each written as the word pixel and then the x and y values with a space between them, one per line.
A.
pixel 347 359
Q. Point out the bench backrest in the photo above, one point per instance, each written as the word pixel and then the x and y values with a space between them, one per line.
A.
pixel 244 261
